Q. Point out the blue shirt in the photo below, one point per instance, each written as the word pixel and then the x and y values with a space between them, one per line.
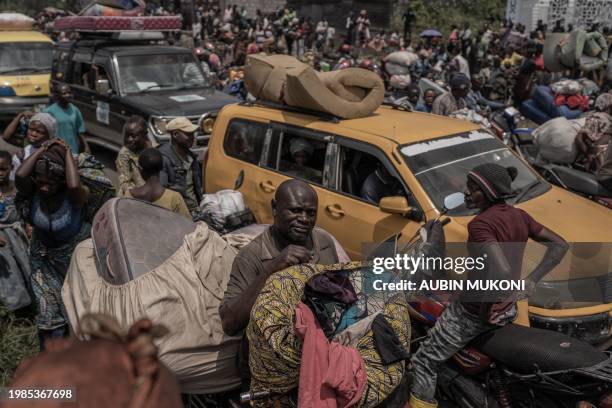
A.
pixel 69 124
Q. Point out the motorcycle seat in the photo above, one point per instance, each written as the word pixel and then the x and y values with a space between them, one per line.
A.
pixel 580 181
pixel 527 350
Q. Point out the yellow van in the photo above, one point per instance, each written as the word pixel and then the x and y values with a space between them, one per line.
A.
pixel 25 69
pixel 429 157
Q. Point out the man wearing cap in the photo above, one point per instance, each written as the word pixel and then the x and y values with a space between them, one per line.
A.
pixel 454 100
pixel 499 233
pixel 181 171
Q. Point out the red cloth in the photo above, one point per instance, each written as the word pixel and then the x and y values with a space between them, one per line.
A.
pixel 331 375
pixel 253 48
pixel 539 61
pixel 577 101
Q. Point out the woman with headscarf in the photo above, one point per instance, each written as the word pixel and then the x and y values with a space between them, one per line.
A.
pixel 301 150
pixel 52 200
pixel 41 127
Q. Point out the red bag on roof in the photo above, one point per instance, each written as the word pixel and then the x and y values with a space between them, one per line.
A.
pixel 577 101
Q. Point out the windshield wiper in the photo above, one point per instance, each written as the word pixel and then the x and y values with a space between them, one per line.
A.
pixel 160 86
pixel 526 189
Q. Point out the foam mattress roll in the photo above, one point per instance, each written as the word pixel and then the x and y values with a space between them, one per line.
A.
pixel 305 89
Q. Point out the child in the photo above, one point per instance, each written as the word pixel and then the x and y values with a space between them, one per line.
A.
pixel 151 163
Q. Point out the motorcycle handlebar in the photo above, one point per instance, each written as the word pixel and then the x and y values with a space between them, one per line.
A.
pixel 253 396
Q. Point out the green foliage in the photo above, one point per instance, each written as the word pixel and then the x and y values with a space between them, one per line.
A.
pixel 18 340
pixel 442 14
pixel 31 7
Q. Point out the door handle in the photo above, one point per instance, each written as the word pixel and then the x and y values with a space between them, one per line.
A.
pixel 267 186
pixel 335 210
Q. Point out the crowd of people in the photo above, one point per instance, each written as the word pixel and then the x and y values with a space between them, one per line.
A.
pixel 46 205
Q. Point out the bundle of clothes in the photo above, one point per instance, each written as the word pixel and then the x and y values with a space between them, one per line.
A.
pixel 125 8
pixel 318 331
pixel 565 98
pixel 581 142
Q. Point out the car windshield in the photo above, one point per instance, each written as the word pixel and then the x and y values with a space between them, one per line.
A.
pixel 151 73
pixel 25 57
pixel 442 165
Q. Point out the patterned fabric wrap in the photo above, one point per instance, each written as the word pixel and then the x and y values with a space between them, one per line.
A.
pixel 49 267
pixel 275 350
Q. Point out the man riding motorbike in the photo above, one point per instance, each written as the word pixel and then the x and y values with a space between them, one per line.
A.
pixel 498 233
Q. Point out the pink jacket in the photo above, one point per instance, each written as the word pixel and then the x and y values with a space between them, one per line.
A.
pixel 331 375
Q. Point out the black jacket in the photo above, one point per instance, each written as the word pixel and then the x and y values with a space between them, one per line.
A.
pixel 173 175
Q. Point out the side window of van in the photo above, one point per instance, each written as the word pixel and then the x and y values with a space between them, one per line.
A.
pixel 244 140
pixel 81 74
pixel 364 176
pixel 298 155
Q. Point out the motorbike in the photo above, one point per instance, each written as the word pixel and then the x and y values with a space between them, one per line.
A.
pixel 515 366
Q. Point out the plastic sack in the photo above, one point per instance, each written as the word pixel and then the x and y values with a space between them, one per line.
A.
pixel 555 140
pixel 566 87
pixel 396 69
pixel 217 207
pixel 399 81
pixel 405 58
pixel 15 22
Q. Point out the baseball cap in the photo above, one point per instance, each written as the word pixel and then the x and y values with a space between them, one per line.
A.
pixel 181 123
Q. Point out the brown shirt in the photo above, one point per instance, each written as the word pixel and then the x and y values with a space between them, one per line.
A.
pixel 252 260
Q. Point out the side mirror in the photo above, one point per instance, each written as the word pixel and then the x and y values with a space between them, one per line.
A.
pixel 394 205
pixel 453 201
pixel 103 87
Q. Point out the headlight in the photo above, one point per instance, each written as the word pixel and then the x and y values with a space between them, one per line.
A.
pixel 206 126
pixel 159 125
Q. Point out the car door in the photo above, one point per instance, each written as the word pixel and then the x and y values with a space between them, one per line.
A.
pixel 110 114
pixel 80 83
pixel 357 223
pixel 278 165
pixel 238 167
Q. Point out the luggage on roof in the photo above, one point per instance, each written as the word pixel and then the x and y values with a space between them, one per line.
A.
pixel 15 22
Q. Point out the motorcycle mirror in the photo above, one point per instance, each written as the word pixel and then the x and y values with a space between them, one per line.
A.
pixel 453 201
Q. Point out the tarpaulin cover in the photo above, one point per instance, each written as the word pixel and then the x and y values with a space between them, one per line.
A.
pixel 349 93
pixel 578 49
pixel 183 293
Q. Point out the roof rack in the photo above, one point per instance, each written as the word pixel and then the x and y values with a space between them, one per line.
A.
pixel 327 117
pixel 397 106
